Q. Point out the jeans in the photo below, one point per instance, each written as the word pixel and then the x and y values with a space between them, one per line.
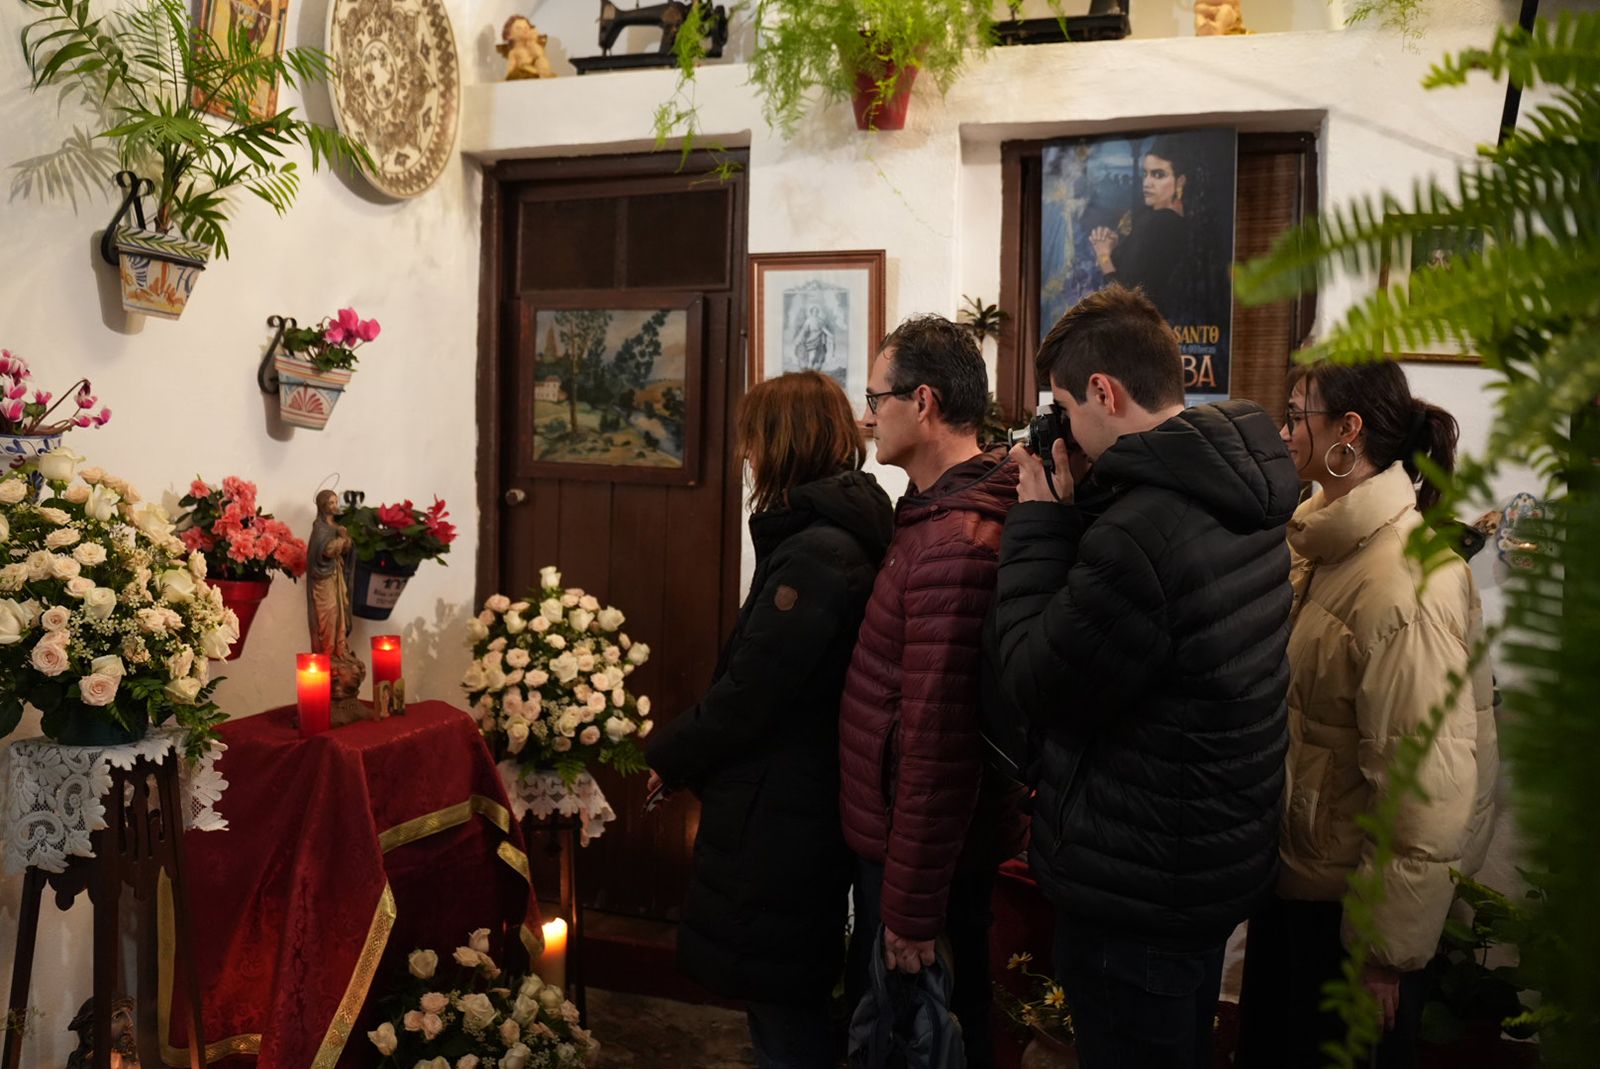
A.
pixel 1135 1005
pixel 967 919
pixel 791 1037
pixel 1292 949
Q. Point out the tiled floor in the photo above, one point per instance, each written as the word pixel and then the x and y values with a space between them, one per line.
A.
pixel 638 1032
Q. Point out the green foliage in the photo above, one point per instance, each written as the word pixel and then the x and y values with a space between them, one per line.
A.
pixel 155 76
pixel 983 320
pixel 1462 989
pixel 1529 304
pixel 1404 16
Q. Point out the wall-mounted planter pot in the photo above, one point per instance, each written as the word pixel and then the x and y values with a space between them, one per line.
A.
pixel 158 271
pixel 306 396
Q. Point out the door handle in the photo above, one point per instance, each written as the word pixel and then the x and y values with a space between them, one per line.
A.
pixel 515 496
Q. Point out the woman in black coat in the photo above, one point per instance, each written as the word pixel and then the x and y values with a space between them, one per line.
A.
pixel 765 917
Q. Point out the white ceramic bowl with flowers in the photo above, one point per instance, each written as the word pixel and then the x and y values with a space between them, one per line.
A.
pixel 548 680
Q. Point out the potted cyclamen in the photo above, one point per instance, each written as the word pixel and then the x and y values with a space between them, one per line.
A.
pixel 26 427
pixel 316 364
pixel 106 620
pixel 241 545
pixel 390 542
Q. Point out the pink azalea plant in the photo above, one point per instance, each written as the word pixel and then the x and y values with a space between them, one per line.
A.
pixel 331 344
pixel 237 539
pixel 21 414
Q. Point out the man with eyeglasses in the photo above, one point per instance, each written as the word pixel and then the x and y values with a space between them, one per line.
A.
pixel 928 831
pixel 1143 618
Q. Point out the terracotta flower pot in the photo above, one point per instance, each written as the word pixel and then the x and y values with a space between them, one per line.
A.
pixel 158 271
pixel 889 114
pixel 244 597
pixel 306 396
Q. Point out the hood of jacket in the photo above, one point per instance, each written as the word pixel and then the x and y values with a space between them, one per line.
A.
pixel 851 500
pixel 1227 456
pixel 986 484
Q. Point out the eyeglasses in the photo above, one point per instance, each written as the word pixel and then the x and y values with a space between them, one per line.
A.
pixel 874 398
pixel 1292 417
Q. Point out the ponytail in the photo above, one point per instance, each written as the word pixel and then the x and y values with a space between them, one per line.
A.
pixel 1434 434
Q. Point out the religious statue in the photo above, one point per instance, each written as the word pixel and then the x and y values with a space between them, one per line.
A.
pixel 523 46
pixel 1218 18
pixel 330 579
pixel 124 1051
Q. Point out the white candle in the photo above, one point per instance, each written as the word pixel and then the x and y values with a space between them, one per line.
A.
pixel 552 965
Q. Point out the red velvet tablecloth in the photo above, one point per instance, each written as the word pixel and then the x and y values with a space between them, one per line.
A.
pixel 345 852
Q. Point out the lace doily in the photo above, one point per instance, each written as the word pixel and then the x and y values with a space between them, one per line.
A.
pixel 543 793
pixel 54 795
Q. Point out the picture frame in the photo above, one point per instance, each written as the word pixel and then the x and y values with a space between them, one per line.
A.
pixel 820 311
pixel 1437 247
pixel 265 20
pixel 643 355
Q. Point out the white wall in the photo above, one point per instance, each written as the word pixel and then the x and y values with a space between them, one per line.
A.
pixel 184 393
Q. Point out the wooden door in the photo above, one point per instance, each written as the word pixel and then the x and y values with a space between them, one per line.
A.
pixel 661 544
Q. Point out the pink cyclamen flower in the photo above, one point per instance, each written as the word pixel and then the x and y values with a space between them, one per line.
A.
pixel 16 392
pixel 12 410
pixel 369 330
pixel 349 322
pixel 82 421
pixel 103 418
pixel 85 399
pixel 42 397
pixel 333 334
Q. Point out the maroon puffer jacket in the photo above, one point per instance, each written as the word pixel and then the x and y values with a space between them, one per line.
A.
pixel 910 756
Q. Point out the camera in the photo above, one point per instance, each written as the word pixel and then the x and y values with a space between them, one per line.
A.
pixel 1041 433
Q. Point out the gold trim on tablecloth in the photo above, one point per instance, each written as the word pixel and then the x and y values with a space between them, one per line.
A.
pixel 406 832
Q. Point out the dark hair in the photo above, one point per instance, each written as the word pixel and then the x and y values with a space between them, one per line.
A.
pixel 931 351
pixel 1169 148
pixel 1394 424
pixel 796 429
pixel 1115 332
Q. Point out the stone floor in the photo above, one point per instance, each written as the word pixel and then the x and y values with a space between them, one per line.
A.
pixel 639 1032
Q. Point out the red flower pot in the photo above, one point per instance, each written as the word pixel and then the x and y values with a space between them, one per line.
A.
pixel 244 597
pixel 889 114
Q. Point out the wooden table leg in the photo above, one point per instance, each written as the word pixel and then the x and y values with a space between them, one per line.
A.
pixel 105 892
pixel 22 967
pixel 172 804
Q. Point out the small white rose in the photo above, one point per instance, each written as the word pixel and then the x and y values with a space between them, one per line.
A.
pixel 586 662
pixel 516 1057
pixel 477 1012
pixel 517 736
pixel 551 610
pixel 639 654
pixel 478 940
pixel 610 619
pixel 152 621
pixel 77 493
pixel 65 568
pixel 589 736
pixel 102 503
pixel 12 576
pixel 644 705
pixel 539 625
pixel 556 642
pixel 561 744
pixel 597 702
pixel 617 728
pixel 79 586
pixel 56 618
pixel 99 603
pixel 197 565
pixel 565 668
pixel 517 658
pixel 176 586
pixel 216 643
pixel 97 689
pixel 12 491
pixel 384 1039
pixel 537 677
pixel 497 603
pixel 510 1031
pixel 526 1009
pixel 515 624
pixel 180 663
pixel 495 678
pixel 497 646
pixel 466 957
pixel 580 619
pixel 184 691
pixel 13 622
pixel 468 1061
pixel 89 554
pixel 412 1020
pixel 154 522
pixel 619 697
pixel 110 665
pixel 422 963
pixel 589 603
pixel 475 677
pixel 476 632
pixel 513 677
pixel 551 998
pixel 58 465
pixel 60 537
pixel 645 727
pixel 549 577
pixel 432 1025
pixel 569 600
pixel 50 658
pixel 520 606
pixel 434 1002
pixel 54 515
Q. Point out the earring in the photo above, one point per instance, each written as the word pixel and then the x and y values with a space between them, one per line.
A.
pixel 1327 460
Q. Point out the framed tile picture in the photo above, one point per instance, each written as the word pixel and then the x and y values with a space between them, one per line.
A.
pixel 816 311
pixel 610 387
pixel 1433 250
pixel 262 24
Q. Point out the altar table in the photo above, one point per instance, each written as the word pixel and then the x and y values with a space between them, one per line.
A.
pixel 347 851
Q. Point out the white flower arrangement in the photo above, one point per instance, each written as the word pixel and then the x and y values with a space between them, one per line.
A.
pixel 487 1022
pixel 104 613
pixel 548 680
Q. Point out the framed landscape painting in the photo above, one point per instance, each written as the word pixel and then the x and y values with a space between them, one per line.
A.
pixel 816 311
pixel 613 388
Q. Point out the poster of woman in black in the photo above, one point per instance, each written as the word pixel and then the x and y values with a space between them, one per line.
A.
pixel 1153 210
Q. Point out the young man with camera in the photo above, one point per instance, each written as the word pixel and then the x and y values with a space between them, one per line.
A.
pixel 928 831
pixel 1143 618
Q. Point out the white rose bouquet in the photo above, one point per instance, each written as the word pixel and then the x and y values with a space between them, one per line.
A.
pixel 548 680
pixel 106 620
pixel 485 1021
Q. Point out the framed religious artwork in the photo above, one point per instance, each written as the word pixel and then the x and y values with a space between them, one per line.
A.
pixel 816 311
pixel 612 386
pixel 1434 249
pixel 262 24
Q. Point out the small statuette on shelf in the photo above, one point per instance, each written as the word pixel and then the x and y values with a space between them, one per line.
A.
pixel 330 572
pixel 523 46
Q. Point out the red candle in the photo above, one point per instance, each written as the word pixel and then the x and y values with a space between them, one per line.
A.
pixel 385 659
pixel 313 692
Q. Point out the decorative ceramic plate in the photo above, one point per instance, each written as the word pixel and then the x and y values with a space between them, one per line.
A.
pixel 398 89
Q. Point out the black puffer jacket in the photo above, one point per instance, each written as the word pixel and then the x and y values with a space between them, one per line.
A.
pixel 765 916
pixel 1145 629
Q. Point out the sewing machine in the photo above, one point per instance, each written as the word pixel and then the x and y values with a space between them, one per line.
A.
pixel 668 18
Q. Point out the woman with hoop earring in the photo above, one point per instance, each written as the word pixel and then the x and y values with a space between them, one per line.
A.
pixel 1371 650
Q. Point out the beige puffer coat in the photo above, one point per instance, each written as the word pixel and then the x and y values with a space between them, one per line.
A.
pixel 1370 654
